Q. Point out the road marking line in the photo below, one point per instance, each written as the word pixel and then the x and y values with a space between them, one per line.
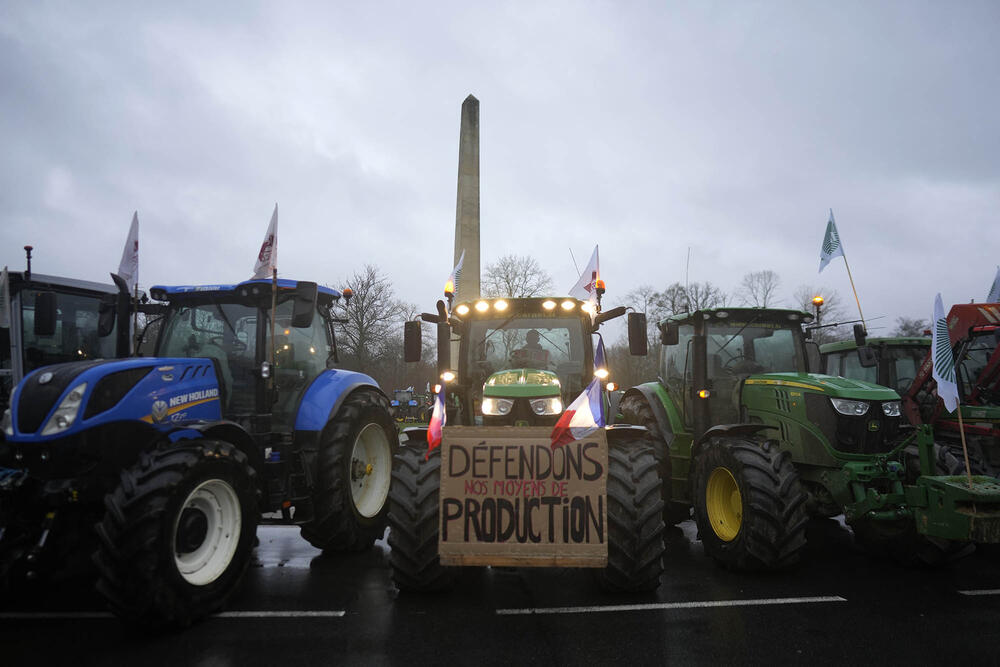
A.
pixel 670 605
pixel 991 591
pixel 80 615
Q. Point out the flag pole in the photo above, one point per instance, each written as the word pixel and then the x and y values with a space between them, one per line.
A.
pixel 135 319
pixel 274 312
pixel 856 299
pixel 965 448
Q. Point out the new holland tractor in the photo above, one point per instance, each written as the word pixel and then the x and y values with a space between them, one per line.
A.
pixel 755 445
pixel 905 364
pixel 496 492
pixel 162 466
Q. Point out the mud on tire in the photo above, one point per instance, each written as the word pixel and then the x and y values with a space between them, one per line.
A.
pixel 354 468
pixel 413 522
pixel 749 504
pixel 177 533
pixel 635 523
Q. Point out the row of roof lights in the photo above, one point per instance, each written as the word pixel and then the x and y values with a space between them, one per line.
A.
pixel 500 306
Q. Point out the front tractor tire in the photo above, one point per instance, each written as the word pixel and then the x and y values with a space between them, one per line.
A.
pixel 636 410
pixel 354 467
pixel 413 522
pixel 635 522
pixel 750 506
pixel 177 533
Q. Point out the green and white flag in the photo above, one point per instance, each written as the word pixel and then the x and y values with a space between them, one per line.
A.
pixel 944 358
pixel 832 247
pixel 994 295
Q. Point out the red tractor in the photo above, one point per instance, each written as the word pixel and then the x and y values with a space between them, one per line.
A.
pixel 974 329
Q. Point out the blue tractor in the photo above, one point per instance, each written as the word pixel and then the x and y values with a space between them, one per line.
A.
pixel 174 458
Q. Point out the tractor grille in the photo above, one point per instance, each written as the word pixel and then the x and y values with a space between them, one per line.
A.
pixel 871 433
pixel 36 400
pixel 112 388
pixel 522 413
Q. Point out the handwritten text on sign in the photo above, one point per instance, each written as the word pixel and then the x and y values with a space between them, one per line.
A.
pixel 508 498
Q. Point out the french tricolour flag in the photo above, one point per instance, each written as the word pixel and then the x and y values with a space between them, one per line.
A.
pixel 437 422
pixel 582 417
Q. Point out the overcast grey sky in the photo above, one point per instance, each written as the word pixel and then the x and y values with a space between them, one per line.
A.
pixel 649 128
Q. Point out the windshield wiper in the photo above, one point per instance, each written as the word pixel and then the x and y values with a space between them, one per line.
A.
pixel 753 321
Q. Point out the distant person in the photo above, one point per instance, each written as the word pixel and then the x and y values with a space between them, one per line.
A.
pixel 532 354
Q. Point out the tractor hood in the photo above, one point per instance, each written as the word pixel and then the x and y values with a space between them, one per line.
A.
pixel 521 383
pixel 830 385
pixel 64 399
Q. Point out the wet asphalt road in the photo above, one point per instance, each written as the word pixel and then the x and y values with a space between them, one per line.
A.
pixel 298 607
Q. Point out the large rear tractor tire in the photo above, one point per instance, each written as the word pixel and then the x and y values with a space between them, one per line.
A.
pixel 350 501
pixel 635 410
pixel 750 505
pixel 899 540
pixel 178 533
pixel 635 523
pixel 413 521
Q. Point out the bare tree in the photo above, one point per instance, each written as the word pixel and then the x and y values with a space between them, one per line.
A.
pixel 759 289
pixel 515 276
pixel 374 318
pixel 672 300
pixel 906 326
pixel 704 295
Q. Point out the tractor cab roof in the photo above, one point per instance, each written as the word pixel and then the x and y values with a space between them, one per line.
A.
pixel 246 290
pixel 525 307
pixel 742 315
pixel 897 341
pixel 57 283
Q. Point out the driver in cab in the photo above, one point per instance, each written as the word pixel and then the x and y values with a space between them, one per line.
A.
pixel 532 354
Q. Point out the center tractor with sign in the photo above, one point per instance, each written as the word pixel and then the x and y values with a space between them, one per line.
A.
pixel 163 466
pixel 755 445
pixel 497 491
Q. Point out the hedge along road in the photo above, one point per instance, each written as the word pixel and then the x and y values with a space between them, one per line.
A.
pixel 300 607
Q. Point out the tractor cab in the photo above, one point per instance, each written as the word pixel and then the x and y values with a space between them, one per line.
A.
pixel 231 325
pixel 897 360
pixel 54 320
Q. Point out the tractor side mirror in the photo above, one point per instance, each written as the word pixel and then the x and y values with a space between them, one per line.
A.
pixel 860 335
pixel 866 356
pixel 304 307
pixel 638 346
pixel 443 347
pixel 46 311
pixel 669 333
pixel 106 314
pixel 412 340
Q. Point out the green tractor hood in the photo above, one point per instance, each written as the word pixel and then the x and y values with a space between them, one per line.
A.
pixel 522 383
pixel 829 385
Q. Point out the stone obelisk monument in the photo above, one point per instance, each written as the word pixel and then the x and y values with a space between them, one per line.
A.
pixel 467 208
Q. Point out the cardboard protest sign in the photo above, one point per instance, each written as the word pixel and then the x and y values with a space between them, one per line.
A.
pixel 509 498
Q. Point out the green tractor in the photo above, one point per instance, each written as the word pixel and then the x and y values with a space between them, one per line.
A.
pixel 755 445
pixel 496 491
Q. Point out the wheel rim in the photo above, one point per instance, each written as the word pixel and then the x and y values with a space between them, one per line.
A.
pixel 724 504
pixel 371 468
pixel 207 532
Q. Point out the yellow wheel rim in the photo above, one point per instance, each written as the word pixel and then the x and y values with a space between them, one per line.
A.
pixel 724 504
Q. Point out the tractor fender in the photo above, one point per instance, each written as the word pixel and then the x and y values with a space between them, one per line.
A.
pixel 650 392
pixel 620 433
pixel 226 431
pixel 727 431
pixel 325 395
pixel 413 436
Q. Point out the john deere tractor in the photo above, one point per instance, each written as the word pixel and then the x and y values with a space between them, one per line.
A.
pixel 497 491
pixel 755 444
pixel 163 465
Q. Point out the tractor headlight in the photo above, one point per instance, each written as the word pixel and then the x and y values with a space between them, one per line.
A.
pixel 849 408
pixel 892 408
pixel 546 406
pixel 8 423
pixel 497 406
pixel 66 413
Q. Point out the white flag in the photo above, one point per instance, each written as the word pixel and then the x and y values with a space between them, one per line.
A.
pixel 267 258
pixel 832 247
pixel 128 268
pixel 944 359
pixel 585 287
pixel 4 299
pixel 994 295
pixel 451 285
